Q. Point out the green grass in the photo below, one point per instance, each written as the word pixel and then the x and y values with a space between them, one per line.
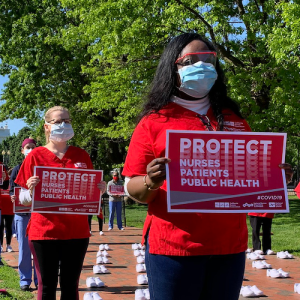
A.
pixel 135 215
pixel 9 280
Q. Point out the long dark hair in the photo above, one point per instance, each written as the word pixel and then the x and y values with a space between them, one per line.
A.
pixel 164 82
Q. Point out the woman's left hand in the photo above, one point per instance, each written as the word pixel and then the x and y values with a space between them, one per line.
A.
pixel 102 186
pixel 288 172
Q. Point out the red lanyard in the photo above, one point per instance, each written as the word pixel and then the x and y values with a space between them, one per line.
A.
pixel 206 122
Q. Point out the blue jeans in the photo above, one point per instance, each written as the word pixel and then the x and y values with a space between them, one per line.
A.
pixel 25 264
pixel 205 277
pixel 112 207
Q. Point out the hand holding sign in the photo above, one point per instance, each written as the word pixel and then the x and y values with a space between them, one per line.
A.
pixel 156 172
pixel 102 186
pixel 32 182
pixel 288 172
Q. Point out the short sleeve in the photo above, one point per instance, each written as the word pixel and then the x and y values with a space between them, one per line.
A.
pixel 26 170
pixel 140 152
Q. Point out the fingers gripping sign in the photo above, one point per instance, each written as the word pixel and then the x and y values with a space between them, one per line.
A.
pixel 156 173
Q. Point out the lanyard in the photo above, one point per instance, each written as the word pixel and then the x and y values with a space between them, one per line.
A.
pixel 206 122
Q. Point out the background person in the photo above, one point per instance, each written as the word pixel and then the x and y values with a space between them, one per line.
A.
pixel 56 239
pixel 115 202
pixel 21 222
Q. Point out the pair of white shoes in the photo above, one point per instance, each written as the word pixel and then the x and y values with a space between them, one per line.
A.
pixel 139 252
pixel 250 291
pixel 137 246
pixel 103 253
pixel 140 268
pixel 92 296
pixel 297 288
pixel 104 247
pixel 102 260
pixel 140 259
pixel 142 279
pixel 273 273
pixel 142 294
pixel 94 282
pixel 261 264
pixel 99 269
pixel 254 256
pixel 284 254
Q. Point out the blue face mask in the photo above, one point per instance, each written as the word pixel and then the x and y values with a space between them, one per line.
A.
pixel 197 79
pixel 27 151
pixel 61 132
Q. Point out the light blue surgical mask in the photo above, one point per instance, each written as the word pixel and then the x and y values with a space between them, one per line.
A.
pixel 197 79
pixel 27 151
pixel 61 132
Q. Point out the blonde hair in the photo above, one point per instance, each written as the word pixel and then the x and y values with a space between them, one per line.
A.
pixel 47 117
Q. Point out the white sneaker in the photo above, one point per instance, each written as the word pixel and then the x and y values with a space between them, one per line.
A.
pixel 103 269
pixel 96 296
pixel 90 282
pixel 256 290
pixel 142 252
pixel 252 256
pixel 268 266
pixel 140 268
pixel 139 294
pixel 283 273
pixel 97 269
pixel 88 296
pixel 14 235
pixel 246 292
pixel 91 233
pixel 258 252
pixel 297 288
pixel 249 250
pixel 142 279
pixel 99 282
pixel 105 260
pixel 273 273
pixel 257 264
pixel 122 228
pixel 99 260
pixel 105 253
pixel 135 247
pixel 101 247
pixel 142 247
pixel 270 252
pixel 281 254
pixel 137 252
pixel 140 259
pixel 109 229
pixel 106 247
pixel 9 248
pixel 147 294
pixel 101 233
pixel 288 254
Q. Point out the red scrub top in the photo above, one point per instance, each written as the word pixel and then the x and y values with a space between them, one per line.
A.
pixel 262 215
pixel 183 234
pixel 51 226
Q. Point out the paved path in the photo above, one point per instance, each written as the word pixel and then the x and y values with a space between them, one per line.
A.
pixel 121 282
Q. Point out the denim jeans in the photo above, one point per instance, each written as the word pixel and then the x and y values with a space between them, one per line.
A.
pixel 205 277
pixel 25 263
pixel 115 206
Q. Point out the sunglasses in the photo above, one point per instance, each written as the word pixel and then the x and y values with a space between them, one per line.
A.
pixel 192 58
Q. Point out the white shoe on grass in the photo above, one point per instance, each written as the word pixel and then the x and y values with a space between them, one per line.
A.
pixel 257 264
pixel 268 266
pixel 273 273
pixel 289 255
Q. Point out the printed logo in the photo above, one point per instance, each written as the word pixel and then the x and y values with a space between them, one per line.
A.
pixel 271 204
pixel 80 165
pixel 248 204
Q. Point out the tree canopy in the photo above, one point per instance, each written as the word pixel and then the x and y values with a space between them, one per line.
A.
pixel 98 58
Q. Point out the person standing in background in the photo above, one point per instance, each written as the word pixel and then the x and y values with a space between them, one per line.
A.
pixel 115 202
pixel 21 222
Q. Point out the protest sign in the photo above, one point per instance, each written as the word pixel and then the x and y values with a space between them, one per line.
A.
pixel 225 172
pixel 117 190
pixel 68 191
pixel 18 207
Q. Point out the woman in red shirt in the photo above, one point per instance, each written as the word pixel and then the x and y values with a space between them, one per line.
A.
pixel 188 255
pixel 56 240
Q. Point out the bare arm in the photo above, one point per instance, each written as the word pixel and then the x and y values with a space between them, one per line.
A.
pixel 156 174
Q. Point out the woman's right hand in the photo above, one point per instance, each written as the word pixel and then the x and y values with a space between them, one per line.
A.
pixel 32 182
pixel 156 172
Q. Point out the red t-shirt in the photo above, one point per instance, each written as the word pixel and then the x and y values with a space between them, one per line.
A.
pixel 262 215
pixel 7 205
pixel 183 234
pixel 51 226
